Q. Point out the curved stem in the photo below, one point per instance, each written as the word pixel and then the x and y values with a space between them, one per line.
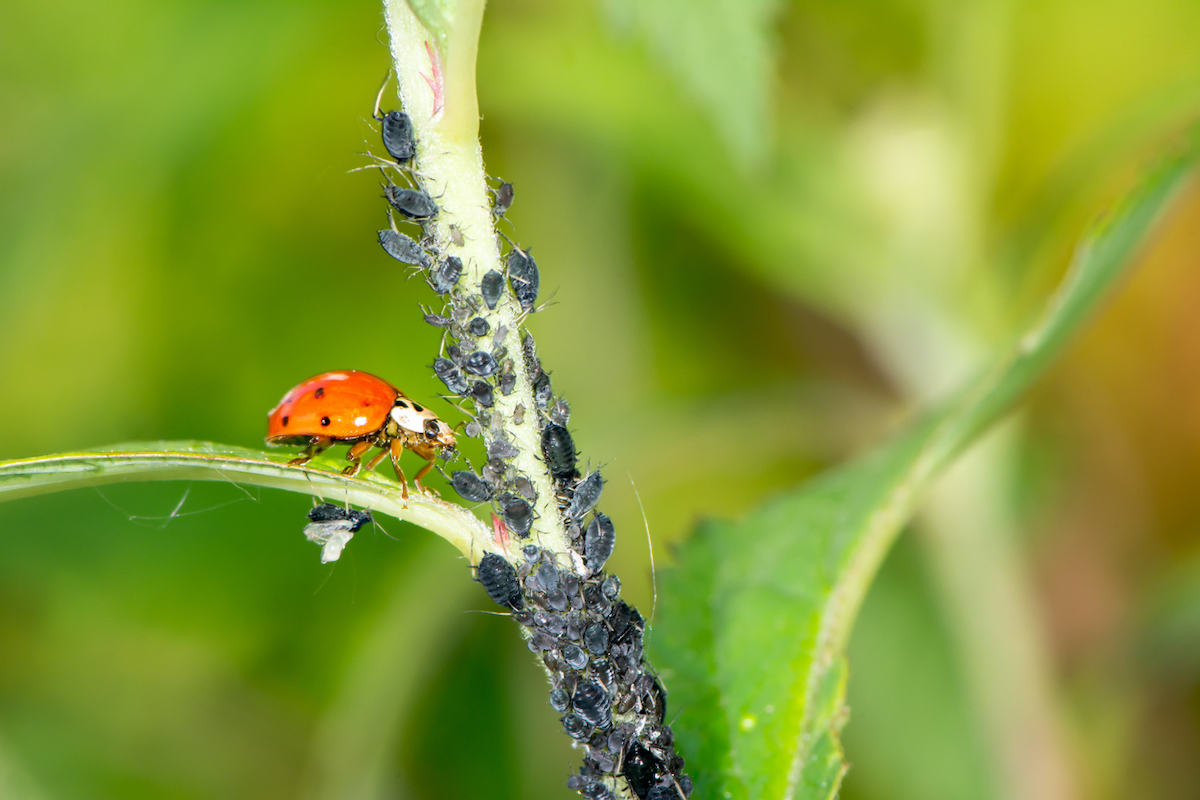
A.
pixel 204 461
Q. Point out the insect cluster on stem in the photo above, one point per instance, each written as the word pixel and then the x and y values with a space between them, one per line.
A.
pixel 589 639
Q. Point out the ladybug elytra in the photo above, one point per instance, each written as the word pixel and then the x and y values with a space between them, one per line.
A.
pixel 359 409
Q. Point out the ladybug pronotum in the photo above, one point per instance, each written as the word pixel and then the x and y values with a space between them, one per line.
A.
pixel 357 408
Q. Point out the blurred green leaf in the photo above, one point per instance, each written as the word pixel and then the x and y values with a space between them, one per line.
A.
pixel 756 615
pixel 721 51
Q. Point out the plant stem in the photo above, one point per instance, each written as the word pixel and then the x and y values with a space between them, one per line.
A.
pixel 202 461
pixel 450 168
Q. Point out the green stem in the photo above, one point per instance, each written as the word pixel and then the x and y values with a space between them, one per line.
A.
pixel 203 461
pixel 449 165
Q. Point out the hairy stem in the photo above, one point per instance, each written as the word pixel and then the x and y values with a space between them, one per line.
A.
pixel 450 169
pixel 203 461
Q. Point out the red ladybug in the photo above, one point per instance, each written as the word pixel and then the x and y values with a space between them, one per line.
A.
pixel 358 408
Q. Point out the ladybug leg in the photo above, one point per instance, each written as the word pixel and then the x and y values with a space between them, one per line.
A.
pixel 397 449
pixel 356 452
pixel 315 447
pixel 421 474
pixel 374 462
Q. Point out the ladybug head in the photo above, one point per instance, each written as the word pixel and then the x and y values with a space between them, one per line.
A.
pixel 439 433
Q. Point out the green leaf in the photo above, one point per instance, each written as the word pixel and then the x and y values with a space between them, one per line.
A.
pixel 755 617
pixel 205 461
pixel 721 52
pixel 435 15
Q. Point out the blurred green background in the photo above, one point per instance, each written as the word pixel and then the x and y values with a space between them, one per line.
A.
pixel 771 230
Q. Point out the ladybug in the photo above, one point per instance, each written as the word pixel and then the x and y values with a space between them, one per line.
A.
pixel 357 408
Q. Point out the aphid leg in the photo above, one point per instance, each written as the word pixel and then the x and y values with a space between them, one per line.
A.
pixel 315 447
pixel 356 453
pixel 397 449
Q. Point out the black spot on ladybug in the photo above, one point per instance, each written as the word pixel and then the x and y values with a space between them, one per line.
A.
pixel 324 421
pixel 417 408
pixel 285 422
pixel 402 404
pixel 319 393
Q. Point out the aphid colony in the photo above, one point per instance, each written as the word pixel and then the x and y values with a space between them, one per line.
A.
pixel 591 642
pixel 589 639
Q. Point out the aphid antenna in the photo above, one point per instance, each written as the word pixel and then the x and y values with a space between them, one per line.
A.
pixel 379 96
pixel 650 549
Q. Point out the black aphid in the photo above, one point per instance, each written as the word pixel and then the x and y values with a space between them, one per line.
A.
pixel 479 327
pixel 411 203
pixel 599 541
pixel 663 793
pixel 481 391
pixel 450 374
pixel 558 600
pixel 505 195
pixel 548 577
pixel 587 494
pixel 438 321
pixel 642 769
pixel 591 702
pixel 654 700
pixel 490 288
pixel 619 620
pixel 560 412
pixel 595 639
pixel 604 671
pixel 529 350
pixel 445 275
pixel 470 486
pixel 397 134
pixel 524 487
pixel 328 512
pixel 576 727
pixel 517 513
pixel 524 277
pixel 611 587
pixel 499 580
pixel 559 450
pixel 575 658
pixel 507 381
pixel 502 448
pixel 403 248
pixel 480 363
pixel 542 392
pixel 559 700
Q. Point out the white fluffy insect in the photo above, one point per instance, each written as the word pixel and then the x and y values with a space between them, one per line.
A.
pixel 333 527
